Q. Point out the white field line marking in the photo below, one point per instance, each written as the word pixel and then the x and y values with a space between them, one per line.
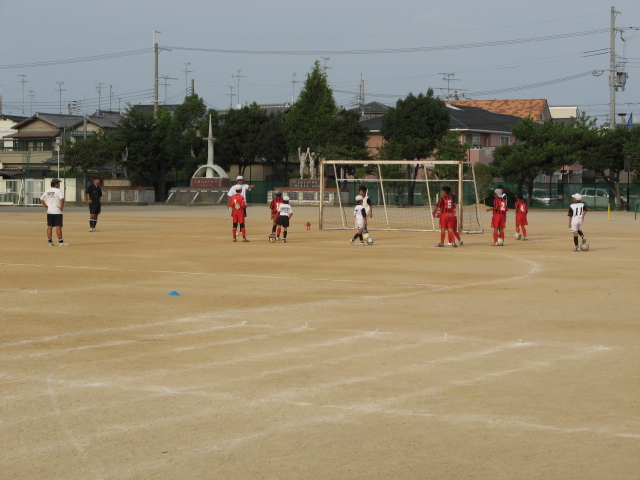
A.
pixel 61 421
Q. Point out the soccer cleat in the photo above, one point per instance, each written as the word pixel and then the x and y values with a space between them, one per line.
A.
pixel 284 240
pixel 63 244
pixel 584 239
pixel 525 238
pixel 245 240
pixel 576 249
pixel 234 239
pixel 363 244
pixel 495 245
pixel 51 244
pixel 454 245
pixel 351 241
pixel 439 244
pixel 461 242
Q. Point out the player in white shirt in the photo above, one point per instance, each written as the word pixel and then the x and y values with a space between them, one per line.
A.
pixel 577 211
pixel 53 200
pixel 366 202
pixel 360 213
pixel 285 213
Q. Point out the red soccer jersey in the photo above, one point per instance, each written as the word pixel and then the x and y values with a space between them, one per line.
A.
pixel 500 206
pixel 521 207
pixel 274 206
pixel 446 204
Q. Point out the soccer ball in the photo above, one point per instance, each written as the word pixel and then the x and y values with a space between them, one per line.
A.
pixel 518 236
pixel 272 238
pixel 500 241
pixel 369 240
pixel 584 247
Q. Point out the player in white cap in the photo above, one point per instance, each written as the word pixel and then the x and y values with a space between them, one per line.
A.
pixel 577 211
pixel 245 187
pixel 361 220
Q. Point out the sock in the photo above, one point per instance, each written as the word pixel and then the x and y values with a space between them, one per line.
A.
pixel 354 237
pixel 93 222
pixel 495 237
pixel 451 240
pixel 234 233
pixel 457 234
pixel 575 240
pixel 244 232
pixel 279 230
pixel 50 240
pixel 441 237
pixel 273 230
pixel 62 241
pixel 501 235
pixel 517 229
pixel 524 231
pixel 284 235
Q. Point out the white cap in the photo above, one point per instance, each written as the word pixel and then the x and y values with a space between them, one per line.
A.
pixel 359 198
pixel 238 188
pixel 285 198
pixel 498 191
pixel 239 177
pixel 577 196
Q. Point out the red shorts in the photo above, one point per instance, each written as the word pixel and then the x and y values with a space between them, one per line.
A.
pixel 238 215
pixel 448 221
pixel 521 219
pixel 498 220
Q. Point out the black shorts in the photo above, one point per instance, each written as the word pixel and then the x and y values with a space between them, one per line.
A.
pixel 54 219
pixel 95 208
pixel 283 221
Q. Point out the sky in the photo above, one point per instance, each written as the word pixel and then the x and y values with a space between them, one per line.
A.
pixel 100 54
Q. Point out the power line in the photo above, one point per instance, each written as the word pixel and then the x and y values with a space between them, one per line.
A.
pixel 106 56
pixel 397 50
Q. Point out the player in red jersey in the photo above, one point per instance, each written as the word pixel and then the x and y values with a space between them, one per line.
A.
pixel 237 206
pixel 499 219
pixel 448 218
pixel 521 216
pixel 275 203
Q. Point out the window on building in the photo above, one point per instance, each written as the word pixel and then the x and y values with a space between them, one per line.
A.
pixel 472 139
pixel 505 140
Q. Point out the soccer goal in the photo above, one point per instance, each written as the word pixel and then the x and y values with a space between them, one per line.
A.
pixel 403 193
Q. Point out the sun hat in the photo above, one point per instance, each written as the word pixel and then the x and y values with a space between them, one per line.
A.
pixel 577 196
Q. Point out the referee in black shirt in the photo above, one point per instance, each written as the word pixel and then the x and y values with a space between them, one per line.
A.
pixel 92 196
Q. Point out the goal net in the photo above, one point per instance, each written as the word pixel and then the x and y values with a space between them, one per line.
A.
pixel 403 193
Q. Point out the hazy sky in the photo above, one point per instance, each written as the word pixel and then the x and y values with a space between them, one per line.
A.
pixel 393 47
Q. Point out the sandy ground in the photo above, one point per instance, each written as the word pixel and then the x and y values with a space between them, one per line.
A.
pixel 316 359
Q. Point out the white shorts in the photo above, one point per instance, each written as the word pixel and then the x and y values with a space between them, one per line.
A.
pixel 576 224
pixel 359 223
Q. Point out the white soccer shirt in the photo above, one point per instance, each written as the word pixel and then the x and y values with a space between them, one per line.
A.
pixel 576 210
pixel 284 209
pixel 52 198
pixel 360 213
pixel 232 190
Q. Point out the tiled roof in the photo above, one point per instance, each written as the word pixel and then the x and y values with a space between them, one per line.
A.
pixel 54 119
pixel 476 119
pixel 536 109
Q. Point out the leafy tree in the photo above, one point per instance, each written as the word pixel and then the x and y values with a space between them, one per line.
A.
pixel 413 128
pixel 603 152
pixel 545 148
pixel 449 148
pixel 484 179
pixel 312 115
pixel 97 151
pixel 240 137
pixel 273 147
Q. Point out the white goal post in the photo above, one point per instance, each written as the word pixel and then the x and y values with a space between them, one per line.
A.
pixel 403 194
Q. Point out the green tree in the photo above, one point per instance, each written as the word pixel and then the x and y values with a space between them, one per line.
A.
pixel 312 115
pixel 240 141
pixel 449 147
pixel 96 152
pixel 413 128
pixel 603 152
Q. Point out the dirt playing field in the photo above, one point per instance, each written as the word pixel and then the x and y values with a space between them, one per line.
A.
pixel 316 359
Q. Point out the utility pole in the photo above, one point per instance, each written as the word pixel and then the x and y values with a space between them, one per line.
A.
pixel 60 89
pixel 361 96
pixel 186 78
pixel 231 95
pixel 23 81
pixel 31 95
pixel 612 70
pixel 293 87
pixel 165 78
pixel 325 68
pixel 238 76
pixel 99 90
pixel 155 79
pixel 449 78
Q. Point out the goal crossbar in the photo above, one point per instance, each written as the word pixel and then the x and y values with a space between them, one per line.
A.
pixel 391 193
